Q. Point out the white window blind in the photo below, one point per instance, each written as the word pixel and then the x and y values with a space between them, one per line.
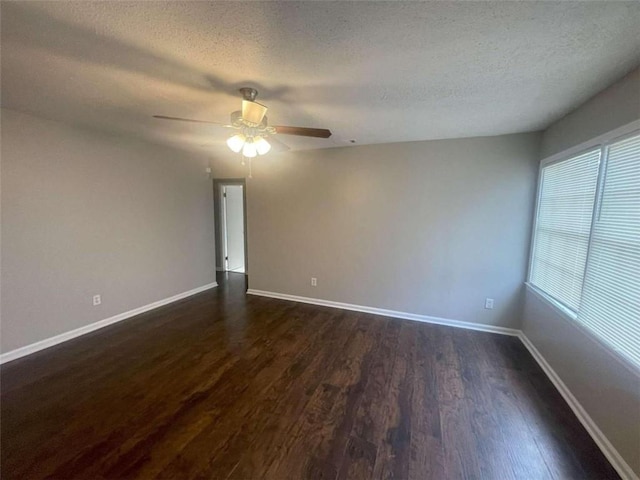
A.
pixel 563 224
pixel 610 304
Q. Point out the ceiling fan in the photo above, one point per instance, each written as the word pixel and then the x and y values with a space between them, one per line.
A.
pixel 253 128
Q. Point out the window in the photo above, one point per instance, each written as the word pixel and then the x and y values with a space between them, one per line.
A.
pixel 586 245
pixel 565 207
pixel 611 296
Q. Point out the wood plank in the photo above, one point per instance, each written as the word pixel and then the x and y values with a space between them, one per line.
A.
pixel 359 460
pixel 427 453
pixel 276 436
pixel 394 450
pixel 329 414
pixel 504 443
pixel 462 460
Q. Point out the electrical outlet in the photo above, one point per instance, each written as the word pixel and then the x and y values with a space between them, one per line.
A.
pixel 488 303
pixel 97 300
pixel 314 282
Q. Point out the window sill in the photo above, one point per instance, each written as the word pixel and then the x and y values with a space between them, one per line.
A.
pixel 558 307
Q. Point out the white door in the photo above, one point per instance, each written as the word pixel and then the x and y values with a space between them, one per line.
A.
pixel 234 227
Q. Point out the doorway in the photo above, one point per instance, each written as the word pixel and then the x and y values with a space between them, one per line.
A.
pixel 231 250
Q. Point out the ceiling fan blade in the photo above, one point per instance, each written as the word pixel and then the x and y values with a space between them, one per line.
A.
pixel 253 112
pixel 179 119
pixel 278 146
pixel 303 131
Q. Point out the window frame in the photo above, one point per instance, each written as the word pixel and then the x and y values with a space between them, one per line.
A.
pixel 602 142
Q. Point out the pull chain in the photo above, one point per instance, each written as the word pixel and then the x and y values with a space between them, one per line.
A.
pixel 243 163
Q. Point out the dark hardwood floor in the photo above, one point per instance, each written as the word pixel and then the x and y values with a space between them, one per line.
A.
pixel 224 385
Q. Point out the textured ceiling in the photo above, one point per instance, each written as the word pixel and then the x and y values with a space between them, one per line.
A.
pixel 374 72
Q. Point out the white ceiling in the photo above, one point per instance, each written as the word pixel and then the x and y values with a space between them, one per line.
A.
pixel 374 72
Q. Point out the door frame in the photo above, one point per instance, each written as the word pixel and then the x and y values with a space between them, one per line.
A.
pixel 219 213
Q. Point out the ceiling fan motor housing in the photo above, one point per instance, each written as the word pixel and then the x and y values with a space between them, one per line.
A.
pixel 249 93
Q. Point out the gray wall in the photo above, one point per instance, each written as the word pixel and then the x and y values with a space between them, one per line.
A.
pixel 85 213
pixel 606 389
pixel 615 106
pixel 429 228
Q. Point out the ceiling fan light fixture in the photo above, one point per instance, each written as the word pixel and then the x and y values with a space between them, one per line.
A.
pixel 236 142
pixel 249 150
pixel 262 146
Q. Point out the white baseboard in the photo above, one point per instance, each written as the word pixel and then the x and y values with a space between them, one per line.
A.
pixel 609 451
pixel 388 313
pixel 63 337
